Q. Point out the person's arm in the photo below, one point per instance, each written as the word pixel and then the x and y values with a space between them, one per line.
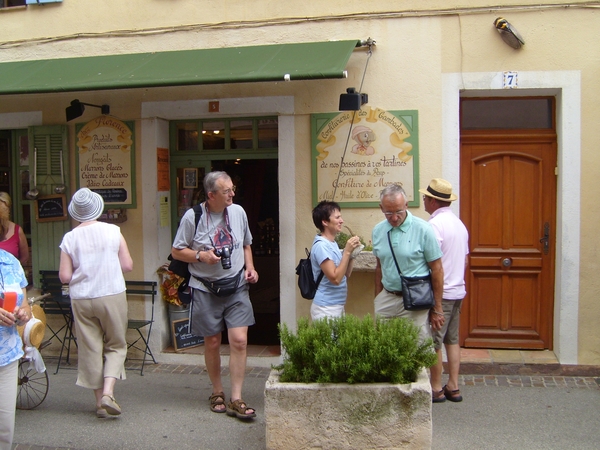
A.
pixel 251 274
pixel 335 274
pixel 189 256
pixel 378 278
pixel 437 283
pixel 124 257
pixel 65 270
pixel 23 248
pixel 23 314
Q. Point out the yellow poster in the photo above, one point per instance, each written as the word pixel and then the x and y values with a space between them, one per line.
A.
pixel 357 153
pixel 106 160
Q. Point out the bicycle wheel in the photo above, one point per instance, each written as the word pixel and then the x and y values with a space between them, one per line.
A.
pixel 32 386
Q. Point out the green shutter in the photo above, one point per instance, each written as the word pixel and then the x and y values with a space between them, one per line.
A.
pixel 48 141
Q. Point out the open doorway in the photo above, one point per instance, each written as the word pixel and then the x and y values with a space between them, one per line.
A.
pixel 257 191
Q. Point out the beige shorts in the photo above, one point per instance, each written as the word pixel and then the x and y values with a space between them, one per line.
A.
pixel 389 305
pixel 448 335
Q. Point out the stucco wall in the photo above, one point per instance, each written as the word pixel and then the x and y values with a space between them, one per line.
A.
pixel 416 47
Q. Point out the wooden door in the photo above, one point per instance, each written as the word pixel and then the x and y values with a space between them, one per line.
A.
pixel 508 198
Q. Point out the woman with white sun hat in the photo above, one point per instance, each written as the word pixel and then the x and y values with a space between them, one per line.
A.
pixel 93 258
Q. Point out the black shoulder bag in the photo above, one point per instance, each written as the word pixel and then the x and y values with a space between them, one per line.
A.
pixel 417 292
pixel 182 268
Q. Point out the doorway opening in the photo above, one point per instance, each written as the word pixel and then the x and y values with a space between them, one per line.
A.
pixel 247 149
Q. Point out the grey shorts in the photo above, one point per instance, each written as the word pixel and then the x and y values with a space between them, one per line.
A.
pixel 448 335
pixel 210 314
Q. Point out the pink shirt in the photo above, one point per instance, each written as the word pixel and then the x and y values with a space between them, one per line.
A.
pixel 11 245
pixel 453 238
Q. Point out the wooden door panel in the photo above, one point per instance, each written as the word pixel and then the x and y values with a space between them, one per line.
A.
pixel 485 314
pixel 508 193
pixel 523 300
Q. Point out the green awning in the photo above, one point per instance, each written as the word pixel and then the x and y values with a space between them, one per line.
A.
pixel 304 61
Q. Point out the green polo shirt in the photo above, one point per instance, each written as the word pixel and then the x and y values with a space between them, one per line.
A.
pixel 414 244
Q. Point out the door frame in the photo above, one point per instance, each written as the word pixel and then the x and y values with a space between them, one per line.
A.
pixel 155 134
pixel 566 87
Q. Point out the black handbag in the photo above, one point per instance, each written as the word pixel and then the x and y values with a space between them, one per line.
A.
pixel 417 292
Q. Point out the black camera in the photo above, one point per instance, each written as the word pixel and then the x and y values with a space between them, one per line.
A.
pixel 225 254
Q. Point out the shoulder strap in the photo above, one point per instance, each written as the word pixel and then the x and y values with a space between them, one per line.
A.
pixel 392 250
pixel 198 213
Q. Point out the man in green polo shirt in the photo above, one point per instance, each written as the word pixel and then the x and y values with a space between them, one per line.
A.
pixel 418 253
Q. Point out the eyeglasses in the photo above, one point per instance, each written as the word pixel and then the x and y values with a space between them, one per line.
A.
pixel 229 191
pixel 397 213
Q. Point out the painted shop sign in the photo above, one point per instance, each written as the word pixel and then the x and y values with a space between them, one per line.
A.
pixel 351 165
pixel 105 159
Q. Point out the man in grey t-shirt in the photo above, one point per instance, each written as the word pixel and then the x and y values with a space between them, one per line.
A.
pixel 222 233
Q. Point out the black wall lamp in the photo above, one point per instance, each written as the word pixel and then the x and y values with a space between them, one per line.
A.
pixel 77 108
pixel 352 100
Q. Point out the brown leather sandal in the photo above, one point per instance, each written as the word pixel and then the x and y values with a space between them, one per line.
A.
pixel 239 409
pixel 453 396
pixel 216 400
pixel 438 397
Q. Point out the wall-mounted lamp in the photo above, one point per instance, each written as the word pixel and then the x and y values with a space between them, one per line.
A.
pixel 352 101
pixel 77 108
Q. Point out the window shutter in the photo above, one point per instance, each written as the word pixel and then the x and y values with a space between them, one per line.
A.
pixel 48 142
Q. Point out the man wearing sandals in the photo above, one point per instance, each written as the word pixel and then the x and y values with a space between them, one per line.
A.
pixel 454 241
pixel 222 230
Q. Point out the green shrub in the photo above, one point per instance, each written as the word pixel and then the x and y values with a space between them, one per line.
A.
pixel 353 350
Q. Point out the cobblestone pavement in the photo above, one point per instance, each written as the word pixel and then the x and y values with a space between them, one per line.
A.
pixel 530 381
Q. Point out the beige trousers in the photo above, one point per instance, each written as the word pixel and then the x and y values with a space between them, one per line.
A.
pixel 8 403
pixel 101 325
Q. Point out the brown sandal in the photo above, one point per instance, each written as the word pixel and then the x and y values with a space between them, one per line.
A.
pixel 217 400
pixel 438 397
pixel 453 396
pixel 240 410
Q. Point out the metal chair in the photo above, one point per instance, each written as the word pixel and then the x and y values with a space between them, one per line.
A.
pixel 59 303
pixel 141 343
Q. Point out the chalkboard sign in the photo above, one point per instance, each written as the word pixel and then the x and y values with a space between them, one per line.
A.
pixel 112 195
pixel 51 208
pixel 182 338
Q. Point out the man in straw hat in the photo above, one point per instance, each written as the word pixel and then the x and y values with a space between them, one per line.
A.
pixel 418 254
pixel 454 241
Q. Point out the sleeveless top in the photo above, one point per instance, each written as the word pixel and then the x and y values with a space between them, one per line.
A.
pixel 11 245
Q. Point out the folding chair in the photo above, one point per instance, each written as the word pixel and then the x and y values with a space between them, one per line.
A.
pixel 58 304
pixel 141 343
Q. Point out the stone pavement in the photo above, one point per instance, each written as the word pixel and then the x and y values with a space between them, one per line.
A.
pixel 167 408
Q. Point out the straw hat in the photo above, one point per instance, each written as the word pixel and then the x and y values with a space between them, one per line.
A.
pixel 86 205
pixel 439 189
pixel 34 330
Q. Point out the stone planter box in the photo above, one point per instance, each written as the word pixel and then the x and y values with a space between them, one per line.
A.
pixel 348 416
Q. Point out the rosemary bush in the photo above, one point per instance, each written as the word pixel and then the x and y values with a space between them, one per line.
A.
pixel 354 350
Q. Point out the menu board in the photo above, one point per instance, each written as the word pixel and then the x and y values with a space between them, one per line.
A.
pixel 105 160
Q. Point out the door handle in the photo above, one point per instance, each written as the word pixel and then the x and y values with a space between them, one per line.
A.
pixel 545 241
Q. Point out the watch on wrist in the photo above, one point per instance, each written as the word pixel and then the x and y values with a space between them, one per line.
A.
pixel 198 255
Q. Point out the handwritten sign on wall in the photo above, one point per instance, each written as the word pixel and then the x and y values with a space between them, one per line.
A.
pixel 356 154
pixel 106 161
